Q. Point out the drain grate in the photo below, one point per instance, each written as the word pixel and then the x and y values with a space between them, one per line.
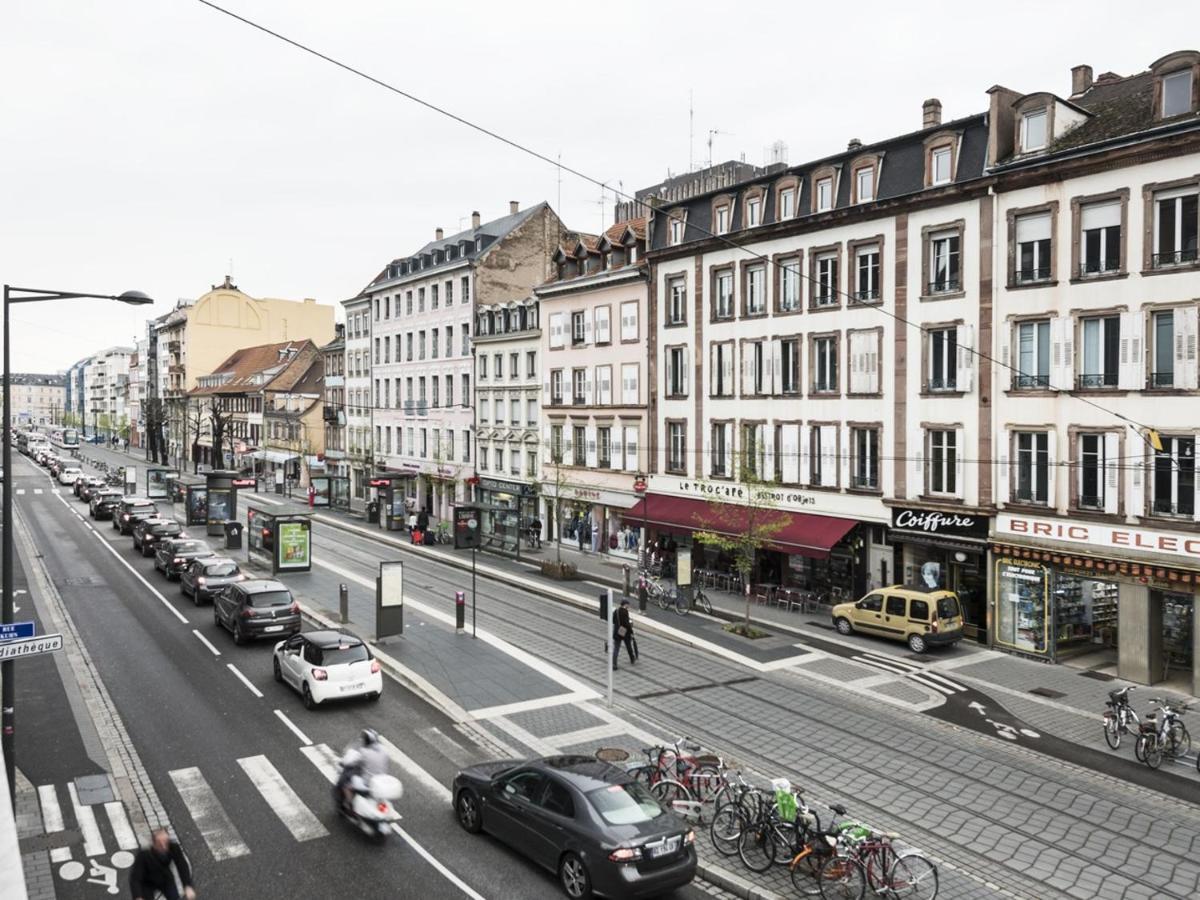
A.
pixel 1099 676
pixel 1047 692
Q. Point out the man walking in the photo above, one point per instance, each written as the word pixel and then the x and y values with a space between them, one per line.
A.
pixel 623 631
pixel 152 873
pixel 535 532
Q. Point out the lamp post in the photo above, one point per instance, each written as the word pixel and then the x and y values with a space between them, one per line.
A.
pixel 8 694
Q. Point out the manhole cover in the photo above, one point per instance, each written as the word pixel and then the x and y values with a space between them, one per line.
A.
pixel 1047 692
pixel 1099 676
pixel 612 754
pixel 94 789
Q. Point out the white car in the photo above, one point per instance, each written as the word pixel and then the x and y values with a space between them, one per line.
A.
pixel 69 474
pixel 328 665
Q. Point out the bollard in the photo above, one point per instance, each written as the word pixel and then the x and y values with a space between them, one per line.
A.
pixel 626 568
pixel 460 611
pixel 344 603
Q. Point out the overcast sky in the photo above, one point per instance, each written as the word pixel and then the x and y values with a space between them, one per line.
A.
pixel 147 143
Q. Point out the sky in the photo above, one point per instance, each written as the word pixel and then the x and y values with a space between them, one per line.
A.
pixel 159 145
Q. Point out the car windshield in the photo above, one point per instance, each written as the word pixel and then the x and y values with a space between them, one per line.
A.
pixel 947 608
pixel 270 598
pixel 625 804
pixel 221 569
pixel 189 547
pixel 344 654
pixel 169 528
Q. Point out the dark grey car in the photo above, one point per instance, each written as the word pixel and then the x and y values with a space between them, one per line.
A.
pixel 131 511
pixel 589 822
pixel 148 532
pixel 257 609
pixel 203 579
pixel 104 501
pixel 173 555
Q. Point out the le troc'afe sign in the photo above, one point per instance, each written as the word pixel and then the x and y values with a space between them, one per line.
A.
pixel 941 524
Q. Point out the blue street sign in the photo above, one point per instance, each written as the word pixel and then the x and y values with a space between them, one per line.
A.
pixel 16 631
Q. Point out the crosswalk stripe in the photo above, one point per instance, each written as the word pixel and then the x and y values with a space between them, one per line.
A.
pixel 406 763
pixel 20 491
pixel 60 855
pixel 941 688
pixel 206 811
pixel 945 681
pixel 122 830
pixel 324 759
pixel 449 748
pixel 93 841
pixel 284 802
pixel 37 490
pixel 878 664
pixel 51 812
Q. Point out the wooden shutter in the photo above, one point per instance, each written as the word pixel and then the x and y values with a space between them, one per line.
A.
pixel 1051 469
pixel 1112 473
pixel 591 446
pixel 790 450
pixel 965 365
pixel 854 352
pixel 727 369
pixel 1058 378
pixel 1003 441
pixel 587 329
pixel 683 379
pixel 776 364
pixel 805 454
pixel 1185 338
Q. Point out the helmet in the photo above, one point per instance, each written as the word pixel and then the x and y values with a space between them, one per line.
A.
pixel 369 737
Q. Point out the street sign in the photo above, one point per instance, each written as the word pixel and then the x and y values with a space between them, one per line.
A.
pixel 16 630
pixel 30 646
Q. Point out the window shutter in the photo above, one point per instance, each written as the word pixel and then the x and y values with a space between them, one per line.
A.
pixel 747 369
pixel 588 386
pixel 1112 473
pixel 916 445
pixel 965 339
pixel 1002 442
pixel 1137 490
pixel 959 488
pixel 705 466
pixel 602 325
pixel 591 446
pixel 854 352
pixel 727 369
pixel 730 452
pixel 829 455
pixel 587 329
pixel 631 449
pixel 712 368
pixel 844 456
pixel 1127 368
pixel 776 366
pixel 767 437
pixel 1051 469
pixel 803 454
pixel 556 335
pixel 683 380
pixel 790 450
pixel 1057 333
pixel 1007 374
pixel 1186 335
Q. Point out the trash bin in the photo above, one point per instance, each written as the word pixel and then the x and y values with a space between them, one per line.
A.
pixel 373 512
pixel 233 535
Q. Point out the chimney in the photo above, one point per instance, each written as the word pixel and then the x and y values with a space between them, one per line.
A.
pixel 931 113
pixel 1081 80
pixel 513 207
pixel 475 219
pixel 855 144
pixel 437 234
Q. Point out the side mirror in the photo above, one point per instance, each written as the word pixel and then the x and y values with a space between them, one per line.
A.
pixel 509 789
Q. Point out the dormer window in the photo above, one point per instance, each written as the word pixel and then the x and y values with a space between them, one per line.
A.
pixel 939 166
pixel 753 212
pixel 787 203
pixel 675 229
pixel 632 254
pixel 824 194
pixel 478 243
pixel 1033 131
pixel 722 220
pixel 864 184
pixel 1177 93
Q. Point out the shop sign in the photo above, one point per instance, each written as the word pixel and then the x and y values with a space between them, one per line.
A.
pixel 930 521
pixel 1122 539
pixel 740 493
pixel 506 487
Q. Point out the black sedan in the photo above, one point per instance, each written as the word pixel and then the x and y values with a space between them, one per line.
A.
pixel 148 532
pixel 204 578
pixel 589 822
pixel 174 555
pixel 103 501
pixel 88 485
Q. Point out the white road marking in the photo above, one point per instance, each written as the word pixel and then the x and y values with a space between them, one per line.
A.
pixel 60 855
pixel 37 490
pixel 321 756
pixel 898 668
pixel 246 681
pixel 93 841
pixel 946 681
pixel 205 641
pixel 449 748
pixel 121 828
pixel 51 812
pixel 586 735
pixel 296 731
pixel 284 802
pixel 508 709
pixel 206 811
pixel 406 763
pixel 920 679
pixel 446 873
pixel 20 491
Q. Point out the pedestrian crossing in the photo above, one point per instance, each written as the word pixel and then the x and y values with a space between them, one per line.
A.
pixel 919 674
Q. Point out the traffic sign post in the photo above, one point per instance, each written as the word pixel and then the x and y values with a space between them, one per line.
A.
pixel 606 612
pixel 12 631
pixel 17 649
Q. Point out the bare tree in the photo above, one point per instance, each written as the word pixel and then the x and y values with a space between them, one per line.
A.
pixel 219 422
pixel 193 421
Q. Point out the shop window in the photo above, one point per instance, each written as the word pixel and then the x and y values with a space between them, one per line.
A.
pixel 1174 481
pixel 1178 620
pixel 1085 613
pixel 1022 597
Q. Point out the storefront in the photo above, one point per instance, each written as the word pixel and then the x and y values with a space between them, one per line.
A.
pixel 506 508
pixel 1110 598
pixel 594 519
pixel 942 550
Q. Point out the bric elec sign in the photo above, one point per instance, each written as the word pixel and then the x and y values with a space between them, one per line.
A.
pixel 1111 537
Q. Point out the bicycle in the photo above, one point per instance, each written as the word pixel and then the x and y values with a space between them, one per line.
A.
pixel 1119 718
pixel 1167 737
pixel 891 874
pixel 700 778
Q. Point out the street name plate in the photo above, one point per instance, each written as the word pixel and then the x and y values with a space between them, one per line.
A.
pixel 15 630
pixel 30 646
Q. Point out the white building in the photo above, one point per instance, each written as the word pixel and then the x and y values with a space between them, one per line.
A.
pixel 360 459
pixel 105 384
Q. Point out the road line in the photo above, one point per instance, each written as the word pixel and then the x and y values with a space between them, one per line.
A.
pixel 51 812
pixel 889 660
pixel 296 731
pixel 20 491
pixel 897 669
pixel 946 681
pixel 93 841
pixel 284 802
pixel 508 709
pixel 920 679
pixel 446 745
pixel 205 641
pixel 446 873
pixel 121 828
pixel 246 681
pixel 206 811
pixel 60 855
pixel 324 759
pixel 37 490
pixel 405 762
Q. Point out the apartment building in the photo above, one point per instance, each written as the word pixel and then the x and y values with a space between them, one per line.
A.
pixel 360 461
pixel 37 399
pixel 422 308
pixel 595 388
pixel 105 382
pixel 333 410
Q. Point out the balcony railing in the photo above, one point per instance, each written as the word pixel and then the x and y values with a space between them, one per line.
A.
pixel 866 296
pixel 1102 380
pixel 1029 382
pixel 1087 501
pixel 1162 379
pixel 941 384
pixel 1100 268
pixel 1033 275
pixel 1164 506
pixel 1173 258
pixel 867 481
pixel 330 412
pixel 948 285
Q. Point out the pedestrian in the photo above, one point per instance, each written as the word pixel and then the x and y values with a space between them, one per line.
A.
pixel 623 633
pixel 535 532
pixel 152 873
pixel 422 526
pixel 579 533
pixel 412 527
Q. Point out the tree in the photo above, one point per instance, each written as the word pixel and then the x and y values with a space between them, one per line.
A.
pixel 193 421
pixel 219 421
pixel 743 529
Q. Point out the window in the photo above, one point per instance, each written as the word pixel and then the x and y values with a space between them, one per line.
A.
pixel 556 387
pixel 826 287
pixel 866 265
pixel 578 328
pixel 531 412
pixel 1033 466
pixel 603 325
pixel 721 370
pixel 420 299
pixel 556 443
pixel 677 303
pixel 1163 375
pixel 630 394
pixel 943 359
pixel 864 183
pixel 579 386
pixel 756 291
pixel 424 443
pixel 1033 131
pixel 433 344
pixel 449 390
pixel 466 340
pixel 945 261
pixel 376 351
pixel 1100 235
pixel 1033 248
pixel 825 364
pixel 940 166
pixel 433 296
pixel 943 462
pixel 675 230
pixel 789 366
pixel 604 385
pixel 752 450
pixel 498 365
pixel 789 286
pixel 531 364
pixel 820 452
pixel 720 449
pixel 629 321
pixel 824 194
pixel 499 409
pixel 753 212
pixel 514 369
pixel 722 221
pixel 1177 93
pixel 466 389
pixel 531 464
pixel 1033 355
pixel 724 295
pixel 787 203
pixel 408 303
pixel 421 345
pixel 449 293
pixel 579 445
pixel 1091 471
pixel 499 459
pixel 1101 339
pixel 754 368
pixel 865 446
pixel 1176 223
pixel 1174 482
pixel 677 374
pixel 676 447
pixel 465 281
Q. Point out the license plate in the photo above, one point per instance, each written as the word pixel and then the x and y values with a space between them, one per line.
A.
pixel 346 688
pixel 273 628
pixel 663 848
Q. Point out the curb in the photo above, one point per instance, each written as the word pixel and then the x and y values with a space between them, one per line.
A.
pixel 735 884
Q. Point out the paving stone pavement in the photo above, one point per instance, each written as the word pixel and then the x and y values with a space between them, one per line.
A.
pixel 555 720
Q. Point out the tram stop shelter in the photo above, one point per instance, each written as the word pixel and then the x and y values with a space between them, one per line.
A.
pixel 282 539
pixel 390 492
pixel 192 492
pixel 158 482
pixel 330 492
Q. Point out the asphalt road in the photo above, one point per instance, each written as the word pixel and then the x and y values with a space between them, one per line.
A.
pixel 201 727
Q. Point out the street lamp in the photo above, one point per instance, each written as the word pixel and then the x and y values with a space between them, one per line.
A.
pixel 8 695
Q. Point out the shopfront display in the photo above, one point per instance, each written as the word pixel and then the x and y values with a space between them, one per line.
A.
pixel 1022 606
pixel 1085 613
pixel 506 508
pixel 1178 640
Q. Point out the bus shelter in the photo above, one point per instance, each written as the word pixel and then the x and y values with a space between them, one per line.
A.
pixel 390 491
pixel 222 487
pixel 282 539
pixel 192 492
pixel 158 482
pixel 330 492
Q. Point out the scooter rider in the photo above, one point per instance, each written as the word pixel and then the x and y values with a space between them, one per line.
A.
pixel 359 764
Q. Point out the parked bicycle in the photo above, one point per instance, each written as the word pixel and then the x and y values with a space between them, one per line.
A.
pixel 1163 735
pixel 1119 718
pixel 886 872
pixel 676 774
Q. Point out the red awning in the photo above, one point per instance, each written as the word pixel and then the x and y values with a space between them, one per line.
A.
pixel 804 534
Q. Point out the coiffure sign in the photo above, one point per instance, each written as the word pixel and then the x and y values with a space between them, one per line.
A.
pixel 930 521
pixel 1126 541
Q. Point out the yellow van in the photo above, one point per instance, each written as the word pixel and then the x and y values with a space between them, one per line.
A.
pixel 916 615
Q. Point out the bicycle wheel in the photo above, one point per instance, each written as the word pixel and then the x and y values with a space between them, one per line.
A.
pixel 702 602
pixel 681 603
pixel 726 829
pixel 667 791
pixel 664 602
pixel 706 783
pixel 1139 748
pixel 1112 731
pixel 1153 753
pixel 1179 742
pixel 756 846
pixel 841 878
pixel 643 775
pixel 804 875
pixel 913 876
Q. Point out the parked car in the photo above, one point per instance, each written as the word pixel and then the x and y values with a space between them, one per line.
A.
pixel 202 578
pixel 257 608
pixel 589 822
pixel 173 555
pixel 131 510
pixel 69 474
pixel 911 613
pixel 327 665
pixel 148 532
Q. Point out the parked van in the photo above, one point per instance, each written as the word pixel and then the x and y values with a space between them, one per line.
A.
pixel 911 613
